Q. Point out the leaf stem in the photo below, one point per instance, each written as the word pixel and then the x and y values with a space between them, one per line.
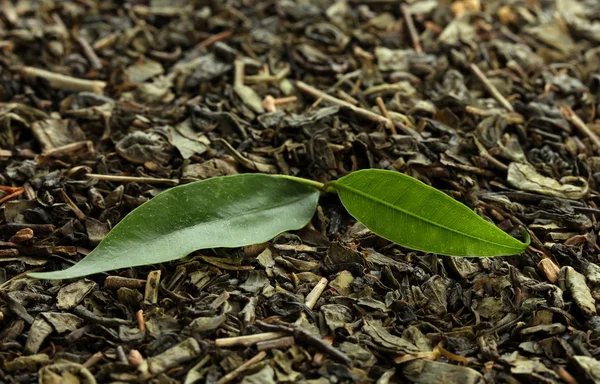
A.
pixel 311 183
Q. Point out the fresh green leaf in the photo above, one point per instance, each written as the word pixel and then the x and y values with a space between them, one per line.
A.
pixel 415 215
pixel 230 211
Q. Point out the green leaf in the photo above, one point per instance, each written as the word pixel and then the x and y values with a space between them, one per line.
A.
pixel 415 215
pixel 230 211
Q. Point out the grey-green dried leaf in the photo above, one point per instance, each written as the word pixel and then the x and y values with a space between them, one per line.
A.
pixel 26 363
pixel 526 178
pixel 96 230
pixel 62 322
pixel 141 147
pixel 255 282
pixel 284 371
pixel 375 259
pixel 577 286
pixel 142 71
pixel 550 329
pixel 71 295
pixel 264 376
pixel 489 307
pixel 360 356
pixel 177 355
pixel 386 340
pixel 207 324
pixel 336 315
pixel 187 142
pixel 159 323
pixel 39 331
pixel 206 170
pixel 65 373
pixel 249 97
pixel 423 371
pixel 342 282
pixel 588 366
pixel 52 133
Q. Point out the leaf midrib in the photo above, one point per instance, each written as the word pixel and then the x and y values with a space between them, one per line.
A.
pixel 387 204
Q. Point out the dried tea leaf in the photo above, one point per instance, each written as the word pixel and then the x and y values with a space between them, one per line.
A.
pixel 385 339
pixel 589 367
pixel 264 376
pixel 185 139
pixel 142 71
pixel 577 286
pixel 71 295
pixel 52 133
pixel 427 371
pixel 62 322
pixel 526 178
pixel 141 147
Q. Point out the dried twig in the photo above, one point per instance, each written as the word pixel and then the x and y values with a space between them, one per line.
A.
pixel 214 38
pixel 281 343
pixel 385 114
pixel 570 115
pixel 152 286
pixel 412 31
pixel 89 52
pixel 13 192
pixel 247 340
pixel 96 357
pixel 491 88
pixel 132 179
pixel 365 113
pixel 139 315
pixel 304 336
pixel 67 83
pixel 86 145
pixel 317 291
pixel 67 200
pixel 236 372
pixel 115 282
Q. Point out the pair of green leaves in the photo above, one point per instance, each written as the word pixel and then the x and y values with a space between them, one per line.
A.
pixel 235 211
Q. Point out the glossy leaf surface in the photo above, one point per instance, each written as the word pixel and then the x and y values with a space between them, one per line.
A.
pixel 231 211
pixel 410 213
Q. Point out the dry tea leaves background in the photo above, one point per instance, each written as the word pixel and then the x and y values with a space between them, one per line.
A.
pixel 493 103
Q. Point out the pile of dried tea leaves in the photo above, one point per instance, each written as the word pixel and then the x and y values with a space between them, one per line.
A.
pixel 105 104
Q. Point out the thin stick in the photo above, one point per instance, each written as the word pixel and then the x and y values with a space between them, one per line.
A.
pixel 152 286
pixel 284 342
pixel 317 291
pixel 570 115
pixel 88 145
pixel 412 31
pixel 139 315
pixel 67 200
pixel 236 372
pixel 214 38
pixel 246 341
pixel 12 195
pixel 132 179
pixel 385 114
pixel 115 282
pixel 89 52
pixel 5 153
pixel 491 88
pixel 317 94
pixel 96 357
pixel 67 83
